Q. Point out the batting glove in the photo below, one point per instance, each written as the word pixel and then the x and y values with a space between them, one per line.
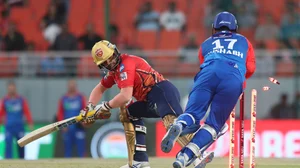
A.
pixel 102 111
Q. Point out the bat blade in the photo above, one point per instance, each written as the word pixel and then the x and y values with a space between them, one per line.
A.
pixel 43 131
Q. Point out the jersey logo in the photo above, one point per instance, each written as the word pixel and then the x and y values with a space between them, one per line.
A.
pixel 224 22
pixel 122 67
pixel 123 76
pixel 99 52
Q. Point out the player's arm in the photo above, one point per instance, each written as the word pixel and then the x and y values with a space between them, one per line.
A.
pixel 60 110
pixel 2 112
pixel 97 94
pixel 126 85
pixel 122 98
pixel 27 114
pixel 250 61
pixel 200 56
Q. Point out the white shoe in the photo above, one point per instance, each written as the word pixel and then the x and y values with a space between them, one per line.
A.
pixel 205 158
pixel 137 164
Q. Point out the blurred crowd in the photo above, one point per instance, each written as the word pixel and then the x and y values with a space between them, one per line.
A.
pixel 285 110
pixel 263 28
pixel 266 29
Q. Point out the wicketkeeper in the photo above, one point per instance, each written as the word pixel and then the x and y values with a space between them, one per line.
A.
pixel 227 59
pixel 156 97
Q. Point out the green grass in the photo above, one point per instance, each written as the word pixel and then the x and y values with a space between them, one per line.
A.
pixel 155 163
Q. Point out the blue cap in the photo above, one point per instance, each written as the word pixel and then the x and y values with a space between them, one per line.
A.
pixel 225 19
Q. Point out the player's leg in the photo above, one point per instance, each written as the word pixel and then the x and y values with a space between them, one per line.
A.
pixel 166 98
pixel 199 100
pixel 222 104
pixel 80 136
pixel 8 143
pixel 68 143
pixel 21 150
pixel 135 132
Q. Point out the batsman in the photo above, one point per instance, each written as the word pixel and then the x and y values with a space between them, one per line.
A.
pixel 156 97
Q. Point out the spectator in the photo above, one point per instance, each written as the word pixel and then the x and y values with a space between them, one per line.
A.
pixel 69 106
pixel 29 62
pixel 209 14
pixel 51 66
pixel 50 24
pixel 115 38
pixel 172 19
pixel 66 41
pixel 191 42
pixel 282 110
pixel 4 21
pixel 17 3
pixel 296 105
pixel 51 17
pixel 89 38
pixel 14 40
pixel 268 30
pixel 12 112
pixel 62 8
pixel 114 34
pixel 290 23
pixel 224 5
pixel 246 12
pixel 147 18
pixel 188 51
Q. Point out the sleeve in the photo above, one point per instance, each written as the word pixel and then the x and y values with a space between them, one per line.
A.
pixel 107 81
pixel 27 112
pixel 163 19
pixel 250 62
pixel 200 56
pixel 60 110
pixel 83 101
pixel 127 74
pixel 2 111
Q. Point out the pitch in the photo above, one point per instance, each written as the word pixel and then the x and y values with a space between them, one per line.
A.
pixel 155 163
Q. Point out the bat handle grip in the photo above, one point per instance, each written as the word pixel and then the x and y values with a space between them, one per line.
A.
pixel 79 118
pixel 89 114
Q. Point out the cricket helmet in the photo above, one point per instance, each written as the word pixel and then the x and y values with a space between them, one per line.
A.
pixel 104 50
pixel 225 19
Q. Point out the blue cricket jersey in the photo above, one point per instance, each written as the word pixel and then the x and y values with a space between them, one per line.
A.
pixel 229 47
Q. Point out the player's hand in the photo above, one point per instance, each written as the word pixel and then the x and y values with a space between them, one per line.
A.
pixel 87 114
pixel 102 111
pixel 91 113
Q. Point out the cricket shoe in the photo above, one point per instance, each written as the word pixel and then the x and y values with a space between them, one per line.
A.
pixel 137 164
pixel 170 138
pixel 205 158
pixel 181 160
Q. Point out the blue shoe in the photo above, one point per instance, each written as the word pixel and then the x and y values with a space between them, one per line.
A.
pixel 170 138
pixel 207 158
pixel 180 161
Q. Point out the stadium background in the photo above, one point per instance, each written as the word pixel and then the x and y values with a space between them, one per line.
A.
pixel 42 66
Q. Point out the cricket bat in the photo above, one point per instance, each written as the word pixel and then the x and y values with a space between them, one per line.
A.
pixel 43 131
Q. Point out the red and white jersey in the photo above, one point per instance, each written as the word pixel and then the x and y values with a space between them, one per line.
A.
pixel 133 71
